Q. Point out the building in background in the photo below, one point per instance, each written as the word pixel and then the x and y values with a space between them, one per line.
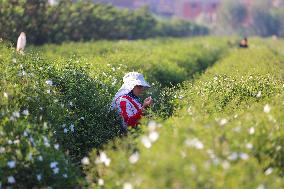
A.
pixel 194 9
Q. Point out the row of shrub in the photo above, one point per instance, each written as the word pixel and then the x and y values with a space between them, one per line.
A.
pixel 226 133
pixel 84 21
pixel 55 107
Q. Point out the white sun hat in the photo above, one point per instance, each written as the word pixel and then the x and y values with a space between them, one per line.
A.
pixel 130 80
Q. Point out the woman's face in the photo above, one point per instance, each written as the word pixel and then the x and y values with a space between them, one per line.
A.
pixel 138 90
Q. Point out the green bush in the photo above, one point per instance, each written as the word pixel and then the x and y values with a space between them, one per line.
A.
pixel 221 130
pixel 226 131
pixel 83 21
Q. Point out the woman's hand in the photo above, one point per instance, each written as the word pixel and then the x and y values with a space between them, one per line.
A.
pixel 148 102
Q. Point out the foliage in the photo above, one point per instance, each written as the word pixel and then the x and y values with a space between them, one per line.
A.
pixel 83 21
pixel 231 15
pixel 227 131
pixel 217 121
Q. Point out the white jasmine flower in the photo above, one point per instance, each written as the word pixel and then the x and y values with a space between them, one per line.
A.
pixel 5 95
pixel 153 136
pixel 100 182
pixel 277 148
pixel 244 156
pixel 56 146
pixel 251 131
pixel 16 114
pixel 11 164
pixel 249 146
pixel 134 158
pixel 152 125
pixel 258 94
pixel 40 158
pixel 226 165
pixel 266 108
pixel 53 164
pixel 223 122
pixel 56 170
pixel 233 156
pixel 261 186
pixel 25 133
pixel 38 177
pixel 268 171
pixel 11 180
pixel 127 185
pixel 103 159
pixel 195 143
pixel 25 112
pixel 146 142
pixel 71 103
pixel 85 161
pixel 16 141
pixel 2 150
pixel 49 82
pixel 14 60
pixel 46 142
pixel 65 130
pixel 189 110
pixel 72 127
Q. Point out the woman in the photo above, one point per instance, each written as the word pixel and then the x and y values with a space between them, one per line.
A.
pixel 126 101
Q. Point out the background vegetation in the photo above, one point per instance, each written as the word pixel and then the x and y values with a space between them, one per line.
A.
pixel 84 21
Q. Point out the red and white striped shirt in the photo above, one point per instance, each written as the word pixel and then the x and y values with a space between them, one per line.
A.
pixel 129 109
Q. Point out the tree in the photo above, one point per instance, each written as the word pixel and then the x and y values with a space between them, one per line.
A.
pixel 231 15
pixel 265 23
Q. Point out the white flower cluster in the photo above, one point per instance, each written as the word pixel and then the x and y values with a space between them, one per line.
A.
pixel 134 158
pixel 127 185
pixel 71 128
pixel 49 82
pixel 103 159
pixel 11 180
pixel 53 166
pixel 194 143
pixel 223 122
pixel 266 108
pixel 152 136
pixel 235 155
pixel 85 161
pixel 11 164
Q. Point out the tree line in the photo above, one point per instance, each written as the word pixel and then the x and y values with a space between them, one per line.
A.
pixel 83 21
pixel 262 18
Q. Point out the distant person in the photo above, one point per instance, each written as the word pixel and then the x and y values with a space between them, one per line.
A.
pixel 244 43
pixel 21 43
pixel 127 102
